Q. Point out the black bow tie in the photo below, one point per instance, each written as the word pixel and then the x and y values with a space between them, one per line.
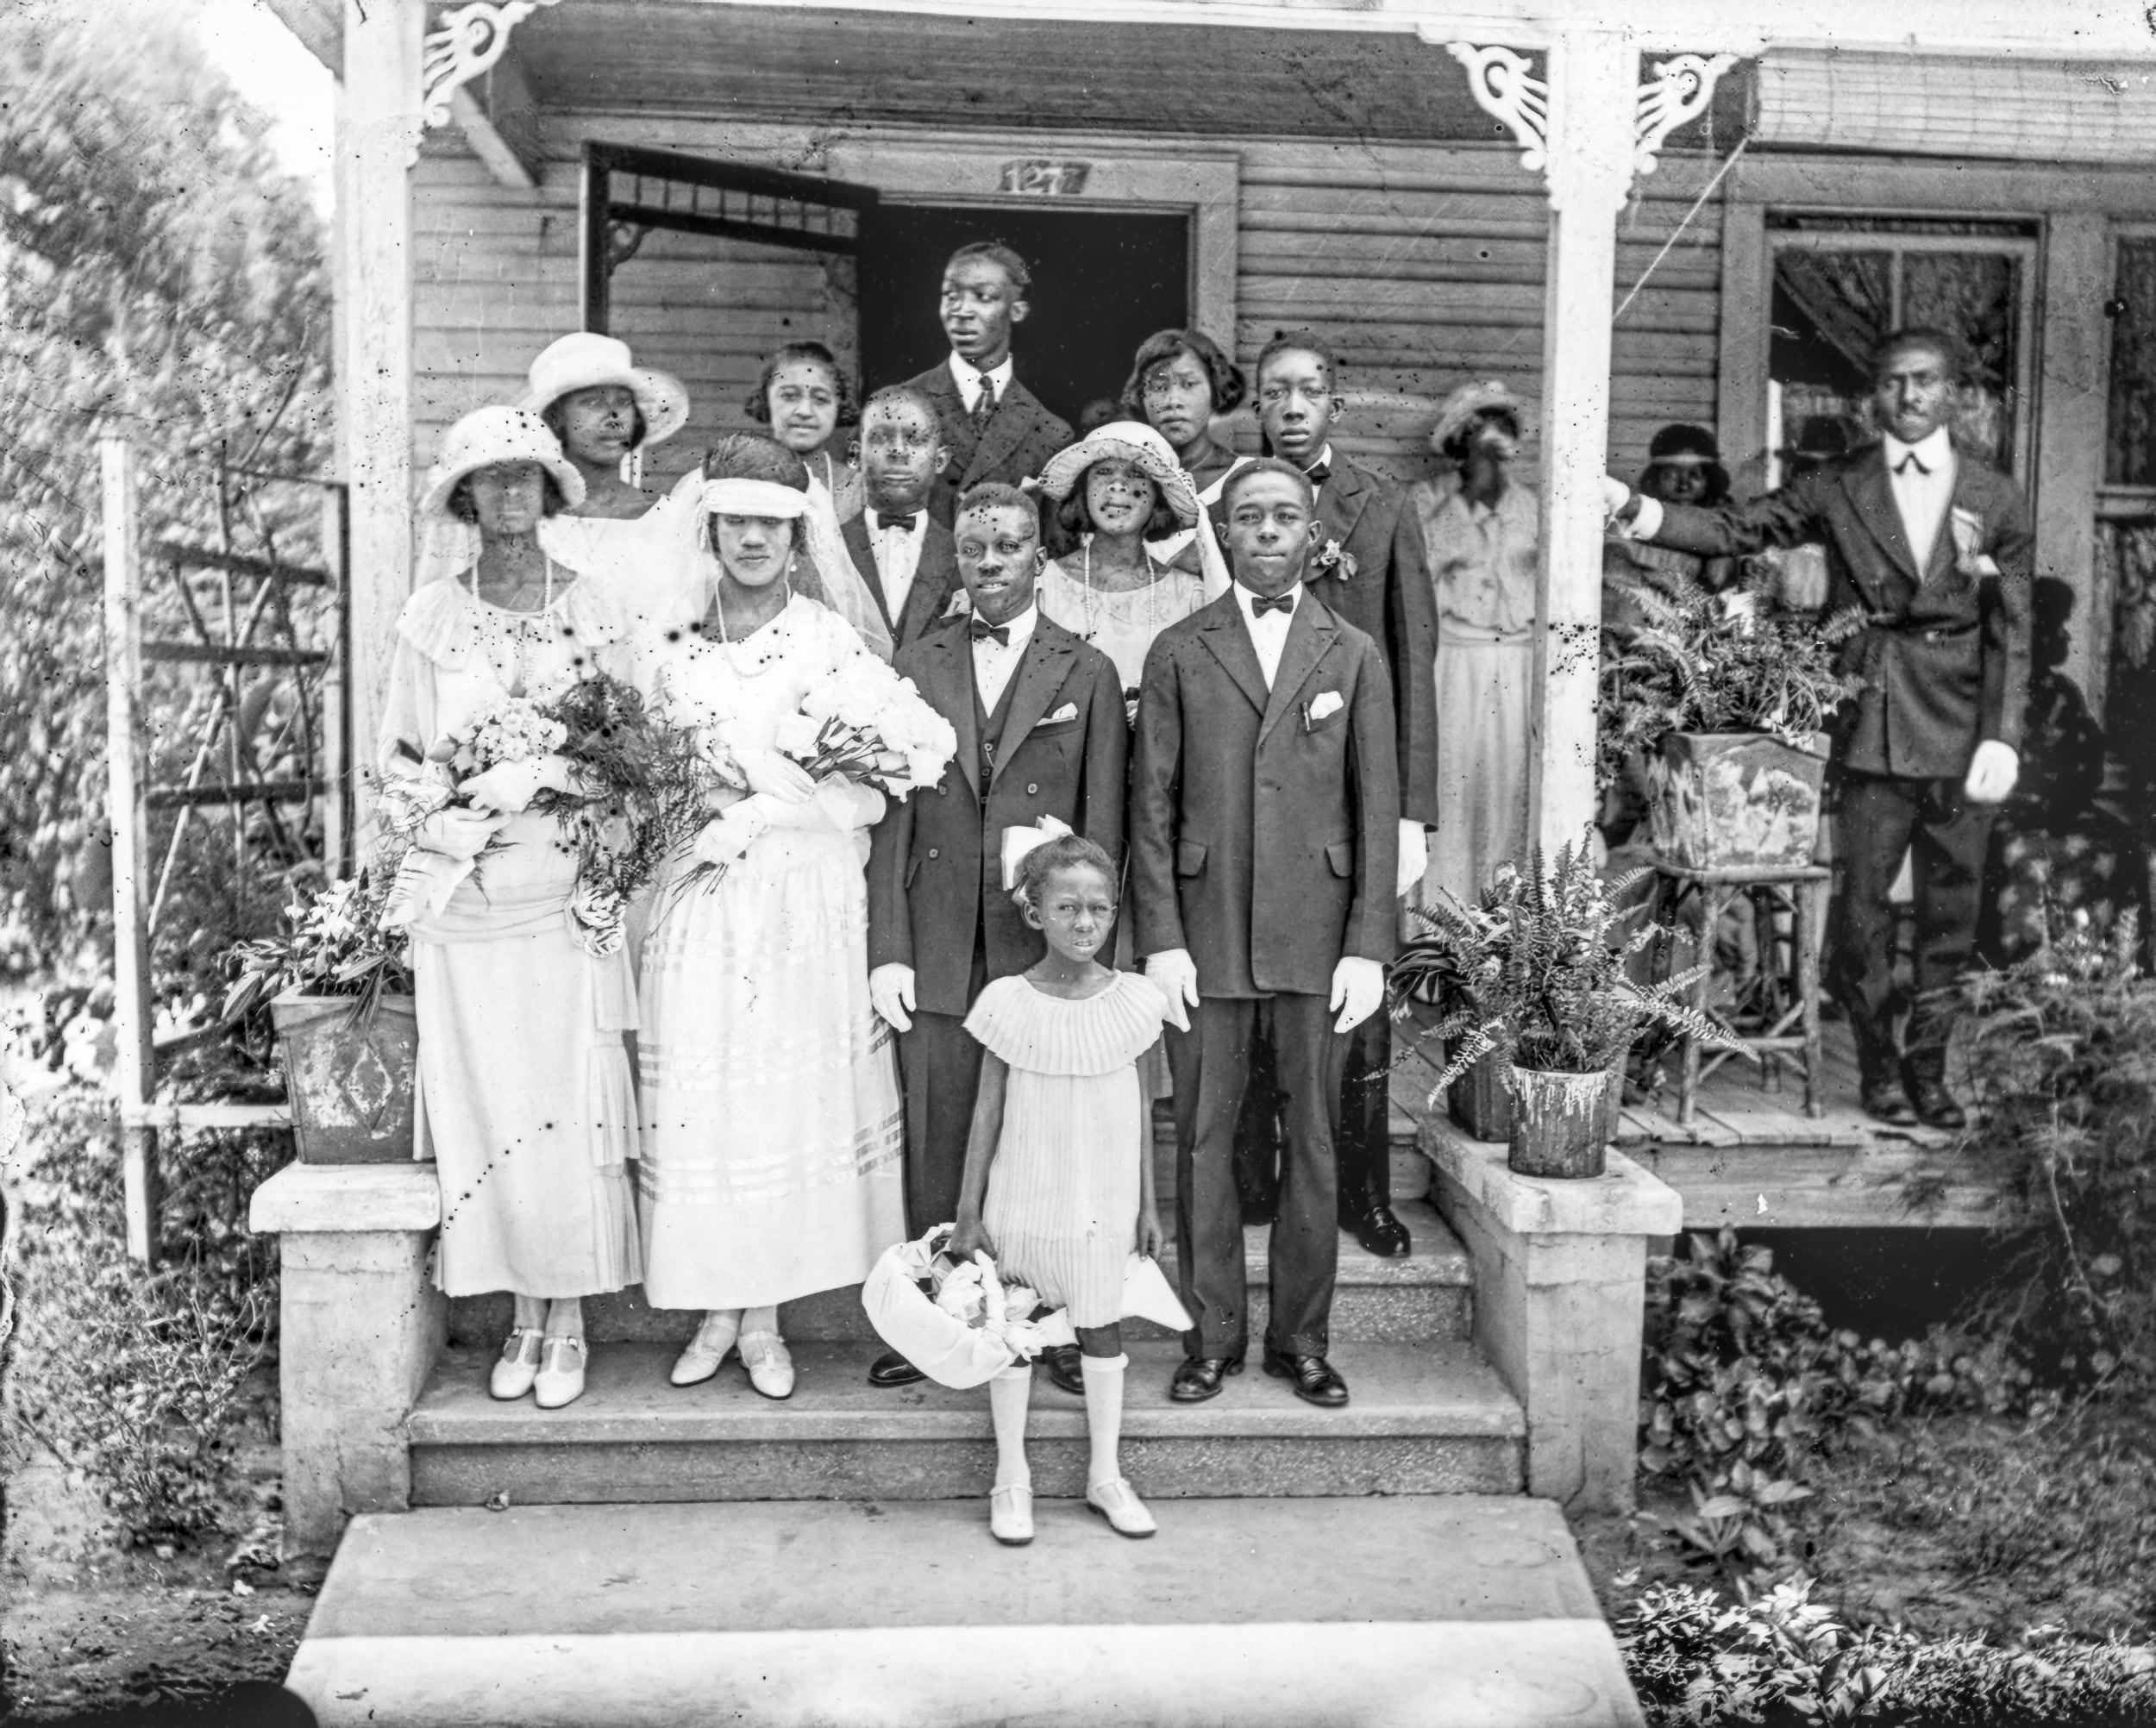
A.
pixel 1319 475
pixel 1911 460
pixel 906 522
pixel 1262 603
pixel 981 631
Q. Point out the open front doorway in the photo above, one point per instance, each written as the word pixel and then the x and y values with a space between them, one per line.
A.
pixel 1103 281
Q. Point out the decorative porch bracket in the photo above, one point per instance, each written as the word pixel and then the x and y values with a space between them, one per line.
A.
pixel 468 43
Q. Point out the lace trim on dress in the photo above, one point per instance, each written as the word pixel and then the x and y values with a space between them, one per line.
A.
pixel 447 626
pixel 1040 1033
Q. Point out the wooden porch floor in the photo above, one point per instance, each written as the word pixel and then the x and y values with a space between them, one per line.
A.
pixel 1751 1158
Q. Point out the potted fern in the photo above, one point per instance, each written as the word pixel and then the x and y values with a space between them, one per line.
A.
pixel 1535 979
pixel 1729 701
pixel 338 987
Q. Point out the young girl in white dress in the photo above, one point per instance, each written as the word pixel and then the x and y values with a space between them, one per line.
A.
pixel 1055 1189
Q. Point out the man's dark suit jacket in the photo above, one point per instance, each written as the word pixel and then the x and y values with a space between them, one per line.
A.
pixel 1389 598
pixel 1021 436
pixel 935 579
pixel 1945 659
pixel 927 855
pixel 1263 839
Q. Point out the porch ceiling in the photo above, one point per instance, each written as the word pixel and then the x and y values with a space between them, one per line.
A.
pixel 784 63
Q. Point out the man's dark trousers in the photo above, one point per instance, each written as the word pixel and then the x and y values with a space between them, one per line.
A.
pixel 1883 817
pixel 1211 1065
pixel 940 1062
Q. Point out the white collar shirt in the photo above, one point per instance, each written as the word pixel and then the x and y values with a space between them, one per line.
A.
pixel 967 377
pixel 897 554
pixel 1268 629
pixel 994 662
pixel 1922 475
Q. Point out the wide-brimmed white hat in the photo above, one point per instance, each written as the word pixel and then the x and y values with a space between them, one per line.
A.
pixel 1125 441
pixel 499 433
pixel 584 359
pixel 1471 400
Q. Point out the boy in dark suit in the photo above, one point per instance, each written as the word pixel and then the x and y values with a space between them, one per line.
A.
pixel 1937 551
pixel 1040 732
pixel 1264 835
pixel 902 551
pixel 995 427
pixel 1382 586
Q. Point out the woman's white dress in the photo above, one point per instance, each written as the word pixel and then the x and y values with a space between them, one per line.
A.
pixel 1121 624
pixel 772 1125
pixel 1484 563
pixel 525 1094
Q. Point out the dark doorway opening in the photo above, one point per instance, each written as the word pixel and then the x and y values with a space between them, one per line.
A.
pixel 1103 281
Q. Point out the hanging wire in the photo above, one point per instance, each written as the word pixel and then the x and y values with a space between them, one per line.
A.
pixel 1677 233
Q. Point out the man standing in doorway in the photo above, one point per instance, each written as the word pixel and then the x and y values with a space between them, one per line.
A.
pixel 1936 550
pixel 994 428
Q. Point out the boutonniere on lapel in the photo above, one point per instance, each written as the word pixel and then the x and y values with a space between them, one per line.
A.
pixel 1333 559
pixel 1969 557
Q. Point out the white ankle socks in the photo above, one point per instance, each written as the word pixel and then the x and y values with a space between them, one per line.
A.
pixel 1008 1394
pixel 1104 1415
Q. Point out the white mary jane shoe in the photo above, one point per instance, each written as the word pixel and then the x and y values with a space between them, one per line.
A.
pixel 518 1364
pixel 1010 1515
pixel 1118 1503
pixel 560 1379
pixel 706 1352
pixel 770 1364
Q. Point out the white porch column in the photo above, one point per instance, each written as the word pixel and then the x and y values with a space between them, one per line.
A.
pixel 1594 83
pixel 377 141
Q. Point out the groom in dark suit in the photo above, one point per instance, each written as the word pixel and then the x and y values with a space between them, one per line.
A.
pixel 995 427
pixel 904 553
pixel 1265 829
pixel 1936 550
pixel 1040 732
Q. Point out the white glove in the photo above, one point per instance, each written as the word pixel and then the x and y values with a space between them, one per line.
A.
pixel 1615 495
pixel 458 833
pixel 510 786
pixel 724 841
pixel 1176 974
pixel 1358 986
pixel 891 994
pixel 1992 772
pixel 780 777
pixel 1414 857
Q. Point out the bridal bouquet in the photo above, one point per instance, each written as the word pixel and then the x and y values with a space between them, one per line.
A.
pixel 870 725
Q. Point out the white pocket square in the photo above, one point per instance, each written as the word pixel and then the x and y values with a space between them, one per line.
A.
pixel 1067 711
pixel 1327 705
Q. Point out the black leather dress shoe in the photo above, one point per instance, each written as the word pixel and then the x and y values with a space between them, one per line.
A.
pixel 1062 1361
pixel 893 1369
pixel 1199 1378
pixel 1884 1101
pixel 1379 1232
pixel 1934 1106
pixel 1316 1380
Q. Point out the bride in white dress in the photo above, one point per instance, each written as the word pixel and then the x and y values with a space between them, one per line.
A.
pixel 772 1125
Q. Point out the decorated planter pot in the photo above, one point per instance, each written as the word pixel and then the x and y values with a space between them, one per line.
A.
pixel 1734 801
pixel 349 1081
pixel 1560 1123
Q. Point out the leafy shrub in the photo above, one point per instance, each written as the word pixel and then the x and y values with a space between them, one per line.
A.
pixel 2064 1053
pixel 1779 1656
pixel 145 1381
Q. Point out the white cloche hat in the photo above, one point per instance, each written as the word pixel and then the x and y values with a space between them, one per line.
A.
pixel 498 433
pixel 584 359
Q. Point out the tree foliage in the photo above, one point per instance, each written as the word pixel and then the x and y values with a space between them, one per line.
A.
pixel 161 278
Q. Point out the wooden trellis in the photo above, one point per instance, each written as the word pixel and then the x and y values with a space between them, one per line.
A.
pixel 236 601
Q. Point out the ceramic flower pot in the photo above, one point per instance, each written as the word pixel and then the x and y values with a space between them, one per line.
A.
pixel 350 1082
pixel 1733 800
pixel 1560 1123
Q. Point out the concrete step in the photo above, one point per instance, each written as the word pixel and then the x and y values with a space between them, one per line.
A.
pixel 1317 1613
pixel 1423 1419
pixel 1425 1296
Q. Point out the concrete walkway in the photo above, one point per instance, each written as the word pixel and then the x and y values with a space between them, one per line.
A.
pixel 1259 1613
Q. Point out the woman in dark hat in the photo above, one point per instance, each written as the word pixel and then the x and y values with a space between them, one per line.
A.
pixel 1683 466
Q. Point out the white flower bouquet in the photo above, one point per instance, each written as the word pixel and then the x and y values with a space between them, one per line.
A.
pixel 871 726
pixel 957 1322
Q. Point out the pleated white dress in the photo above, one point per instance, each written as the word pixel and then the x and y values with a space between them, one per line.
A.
pixel 1063 1191
pixel 772 1128
pixel 526 1099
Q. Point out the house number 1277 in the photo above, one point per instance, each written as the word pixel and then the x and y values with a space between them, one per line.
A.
pixel 1046 179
